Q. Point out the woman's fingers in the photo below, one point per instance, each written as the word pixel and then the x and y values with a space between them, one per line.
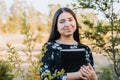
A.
pixel 84 72
pixel 82 76
pixel 88 72
pixel 86 68
pixel 90 66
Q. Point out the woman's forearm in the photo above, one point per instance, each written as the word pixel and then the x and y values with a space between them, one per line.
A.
pixel 73 76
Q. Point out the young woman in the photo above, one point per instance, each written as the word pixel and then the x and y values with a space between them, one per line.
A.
pixel 65 35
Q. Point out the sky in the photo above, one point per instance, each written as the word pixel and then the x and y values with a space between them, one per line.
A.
pixel 41 5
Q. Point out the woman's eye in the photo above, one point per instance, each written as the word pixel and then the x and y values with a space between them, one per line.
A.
pixel 70 19
pixel 61 22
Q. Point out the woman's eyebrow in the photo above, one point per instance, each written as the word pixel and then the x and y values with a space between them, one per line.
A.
pixel 61 20
pixel 64 19
pixel 70 17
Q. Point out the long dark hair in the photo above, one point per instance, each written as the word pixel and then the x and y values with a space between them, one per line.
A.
pixel 54 35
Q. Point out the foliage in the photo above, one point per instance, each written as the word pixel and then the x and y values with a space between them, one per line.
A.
pixel 5 71
pixel 56 73
pixel 14 58
pixel 105 38
pixel 49 76
pixel 107 73
pixel 11 22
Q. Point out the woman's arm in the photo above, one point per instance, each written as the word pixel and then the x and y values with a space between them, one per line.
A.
pixel 46 68
pixel 75 76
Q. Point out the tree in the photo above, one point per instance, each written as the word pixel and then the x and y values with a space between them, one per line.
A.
pixel 105 37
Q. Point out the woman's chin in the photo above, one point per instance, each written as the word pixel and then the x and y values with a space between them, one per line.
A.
pixel 69 34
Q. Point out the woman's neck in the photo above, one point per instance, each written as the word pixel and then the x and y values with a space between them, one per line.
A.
pixel 66 40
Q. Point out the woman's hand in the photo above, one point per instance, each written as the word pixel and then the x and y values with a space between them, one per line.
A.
pixel 88 72
pixel 85 73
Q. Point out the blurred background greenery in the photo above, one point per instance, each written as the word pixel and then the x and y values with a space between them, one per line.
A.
pixel 23 30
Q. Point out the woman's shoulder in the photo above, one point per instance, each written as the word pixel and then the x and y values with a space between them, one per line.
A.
pixel 83 45
pixel 52 45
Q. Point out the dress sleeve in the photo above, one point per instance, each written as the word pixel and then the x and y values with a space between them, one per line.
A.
pixel 47 70
pixel 47 66
pixel 90 56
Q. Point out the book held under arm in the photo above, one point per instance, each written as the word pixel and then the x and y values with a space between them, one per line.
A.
pixel 73 59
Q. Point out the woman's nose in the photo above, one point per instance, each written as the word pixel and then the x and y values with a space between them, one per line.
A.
pixel 67 24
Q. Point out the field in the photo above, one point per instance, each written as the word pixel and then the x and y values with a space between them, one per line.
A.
pixel 16 41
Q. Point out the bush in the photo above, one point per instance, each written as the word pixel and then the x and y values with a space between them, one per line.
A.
pixel 107 73
pixel 5 71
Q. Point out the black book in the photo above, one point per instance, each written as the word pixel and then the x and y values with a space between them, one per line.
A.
pixel 73 59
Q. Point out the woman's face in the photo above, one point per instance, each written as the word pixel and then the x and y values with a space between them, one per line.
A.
pixel 66 24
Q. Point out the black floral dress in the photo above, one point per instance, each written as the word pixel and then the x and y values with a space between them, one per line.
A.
pixel 51 58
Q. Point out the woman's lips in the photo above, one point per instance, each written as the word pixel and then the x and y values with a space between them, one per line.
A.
pixel 69 29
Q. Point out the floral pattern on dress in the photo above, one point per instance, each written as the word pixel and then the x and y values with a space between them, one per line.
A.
pixel 51 58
